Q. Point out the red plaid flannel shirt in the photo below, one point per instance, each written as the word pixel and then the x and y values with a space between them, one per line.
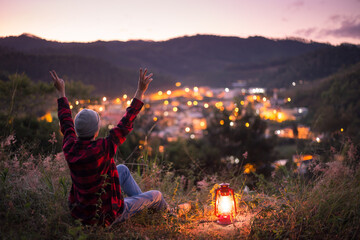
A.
pixel 95 195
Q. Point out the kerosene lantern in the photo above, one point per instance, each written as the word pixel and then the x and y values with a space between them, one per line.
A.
pixel 225 204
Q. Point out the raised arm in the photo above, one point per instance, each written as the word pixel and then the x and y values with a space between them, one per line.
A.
pixel 58 83
pixel 64 112
pixel 143 84
pixel 118 134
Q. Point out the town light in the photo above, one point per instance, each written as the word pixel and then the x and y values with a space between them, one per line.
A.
pixel 187 90
pixel 206 105
pixel 247 124
pixel 187 129
pixel 104 99
pixel 117 100
pixel 175 109
pixel 227 89
pixel 125 96
pixel 178 84
pixel 196 89
pixel 160 93
pixel 225 204
pixel 77 102
pixel 168 92
pixel 161 148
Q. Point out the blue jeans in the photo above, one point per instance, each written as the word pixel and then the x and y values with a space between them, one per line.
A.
pixel 136 200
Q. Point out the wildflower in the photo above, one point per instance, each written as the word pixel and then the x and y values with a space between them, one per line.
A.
pixel 8 141
pixel 53 139
pixel 352 152
pixel 202 184
pixel 28 164
pixel 47 163
pixel 16 163
pixel 183 180
pixel 245 155
pixel 318 168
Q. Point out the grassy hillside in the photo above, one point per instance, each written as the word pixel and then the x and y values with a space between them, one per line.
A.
pixel 333 102
pixel 35 188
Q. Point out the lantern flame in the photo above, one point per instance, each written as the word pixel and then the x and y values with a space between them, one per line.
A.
pixel 226 204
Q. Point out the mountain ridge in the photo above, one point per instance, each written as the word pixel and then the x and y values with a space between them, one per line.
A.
pixel 200 59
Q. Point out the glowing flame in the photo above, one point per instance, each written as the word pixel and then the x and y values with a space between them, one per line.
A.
pixel 225 205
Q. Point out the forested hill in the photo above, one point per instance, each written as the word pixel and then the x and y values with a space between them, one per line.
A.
pixel 201 59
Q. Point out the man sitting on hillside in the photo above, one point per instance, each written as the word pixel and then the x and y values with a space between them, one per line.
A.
pixel 95 195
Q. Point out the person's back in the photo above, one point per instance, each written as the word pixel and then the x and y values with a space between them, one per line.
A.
pixel 95 196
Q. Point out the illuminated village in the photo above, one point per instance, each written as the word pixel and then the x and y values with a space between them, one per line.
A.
pixel 184 112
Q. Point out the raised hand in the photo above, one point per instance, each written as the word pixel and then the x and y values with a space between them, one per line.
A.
pixel 144 80
pixel 143 84
pixel 58 83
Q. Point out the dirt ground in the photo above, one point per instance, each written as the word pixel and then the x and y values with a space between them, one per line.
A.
pixel 239 229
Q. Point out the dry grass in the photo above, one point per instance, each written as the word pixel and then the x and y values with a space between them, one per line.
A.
pixel 34 189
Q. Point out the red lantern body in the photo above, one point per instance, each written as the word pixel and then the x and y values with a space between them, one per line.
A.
pixel 225 204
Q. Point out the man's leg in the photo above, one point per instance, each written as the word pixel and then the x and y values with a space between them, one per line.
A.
pixel 152 199
pixel 136 200
pixel 127 182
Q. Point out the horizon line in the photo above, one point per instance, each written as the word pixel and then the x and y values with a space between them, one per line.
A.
pixel 299 39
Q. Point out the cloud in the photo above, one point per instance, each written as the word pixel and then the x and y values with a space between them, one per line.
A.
pixel 349 27
pixel 307 32
pixel 344 27
pixel 296 5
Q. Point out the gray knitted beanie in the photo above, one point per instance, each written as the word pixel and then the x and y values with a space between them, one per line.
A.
pixel 87 123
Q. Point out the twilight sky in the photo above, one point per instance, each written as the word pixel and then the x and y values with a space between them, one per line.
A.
pixel 333 21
